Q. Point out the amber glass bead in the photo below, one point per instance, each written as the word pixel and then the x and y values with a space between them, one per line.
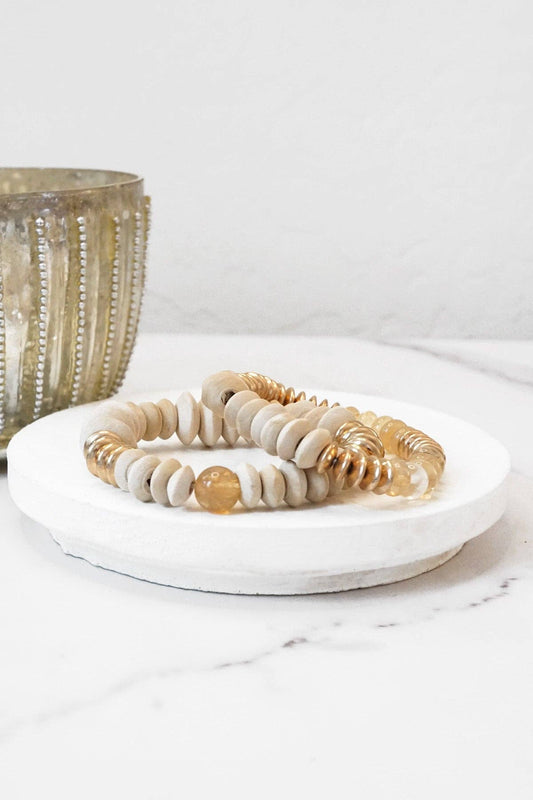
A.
pixel 418 483
pixel 432 471
pixel 433 454
pixel 379 422
pixel 401 480
pixel 390 432
pixel 217 489
pixel 355 411
pixel 368 418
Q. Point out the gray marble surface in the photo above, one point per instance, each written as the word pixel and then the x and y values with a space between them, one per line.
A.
pixel 111 687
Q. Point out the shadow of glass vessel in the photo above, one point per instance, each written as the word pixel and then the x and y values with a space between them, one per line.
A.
pixel 72 266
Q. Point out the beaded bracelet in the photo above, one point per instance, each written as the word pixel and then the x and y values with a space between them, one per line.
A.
pixel 324 447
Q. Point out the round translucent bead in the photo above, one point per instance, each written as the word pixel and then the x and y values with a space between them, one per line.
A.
pixel 217 489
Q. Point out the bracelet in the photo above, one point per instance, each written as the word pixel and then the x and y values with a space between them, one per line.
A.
pixel 325 448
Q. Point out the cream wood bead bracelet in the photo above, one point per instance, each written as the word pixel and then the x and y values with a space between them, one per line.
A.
pixel 324 448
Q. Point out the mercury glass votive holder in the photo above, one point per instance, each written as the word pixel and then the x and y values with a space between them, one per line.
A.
pixel 72 265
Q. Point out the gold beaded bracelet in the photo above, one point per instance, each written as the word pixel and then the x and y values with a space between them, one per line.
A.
pixel 324 447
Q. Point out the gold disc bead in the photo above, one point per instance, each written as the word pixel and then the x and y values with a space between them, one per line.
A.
pixel 94 444
pixel 217 489
pixel 357 470
pixel 372 475
pixel 340 466
pixel 326 458
pixel 100 460
pixel 387 477
pixel 97 438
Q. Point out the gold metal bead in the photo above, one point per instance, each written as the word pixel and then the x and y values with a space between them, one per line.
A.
pixel 326 458
pixel 372 475
pixel 357 469
pixel 111 460
pixel 340 466
pixel 354 435
pixel 100 460
pixel 269 389
pixel 97 436
pixel 387 476
pixel 93 448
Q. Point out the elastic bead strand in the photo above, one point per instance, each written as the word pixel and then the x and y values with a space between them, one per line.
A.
pixel 324 447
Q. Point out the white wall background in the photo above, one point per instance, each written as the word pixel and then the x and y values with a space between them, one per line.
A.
pixel 335 166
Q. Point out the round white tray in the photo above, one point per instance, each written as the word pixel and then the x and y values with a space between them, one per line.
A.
pixel 354 541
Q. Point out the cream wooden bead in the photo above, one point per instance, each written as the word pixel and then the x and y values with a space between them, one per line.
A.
pixel 271 431
pixel 316 415
pixel 170 418
pixel 261 418
pixel 300 408
pixel 154 420
pixel 210 426
pixel 139 475
pixel 188 418
pixel 335 487
pixel 311 446
pixel 273 484
pixel 335 417
pixel 251 486
pixel 160 478
pixel 105 421
pixel 317 485
pixel 218 388
pixel 234 405
pixel 123 463
pixel 230 435
pixel 180 485
pixel 295 483
pixel 291 436
pixel 124 413
pixel 246 416
pixel 140 419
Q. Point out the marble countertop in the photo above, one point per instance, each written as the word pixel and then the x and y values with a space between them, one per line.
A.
pixel 115 688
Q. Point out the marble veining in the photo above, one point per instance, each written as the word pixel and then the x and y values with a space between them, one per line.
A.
pixel 130 684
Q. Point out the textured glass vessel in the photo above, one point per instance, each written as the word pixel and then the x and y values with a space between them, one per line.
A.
pixel 72 264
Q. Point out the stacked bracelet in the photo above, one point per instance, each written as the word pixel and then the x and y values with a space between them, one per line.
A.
pixel 325 448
